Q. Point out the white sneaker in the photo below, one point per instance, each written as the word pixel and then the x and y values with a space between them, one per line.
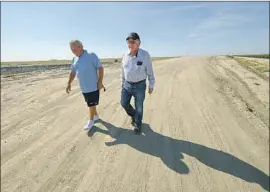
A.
pixel 89 125
pixel 96 117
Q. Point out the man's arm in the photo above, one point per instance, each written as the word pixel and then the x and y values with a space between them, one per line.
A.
pixel 122 77
pixel 122 72
pixel 100 69
pixel 72 73
pixel 150 72
pixel 72 76
pixel 100 74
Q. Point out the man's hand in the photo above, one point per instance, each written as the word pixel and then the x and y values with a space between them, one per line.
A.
pixel 71 78
pixel 100 85
pixel 68 89
pixel 100 78
pixel 150 90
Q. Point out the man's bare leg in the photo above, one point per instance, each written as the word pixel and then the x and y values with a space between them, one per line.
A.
pixel 92 112
pixel 96 117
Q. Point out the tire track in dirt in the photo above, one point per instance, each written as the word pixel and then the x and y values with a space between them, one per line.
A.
pixel 256 103
pixel 234 93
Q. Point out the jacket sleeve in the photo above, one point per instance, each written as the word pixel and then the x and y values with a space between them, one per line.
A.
pixel 150 71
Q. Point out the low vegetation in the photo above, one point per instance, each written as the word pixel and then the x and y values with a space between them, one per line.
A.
pixel 61 62
pixel 48 62
pixel 261 56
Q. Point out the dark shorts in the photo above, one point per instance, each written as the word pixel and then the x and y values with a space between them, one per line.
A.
pixel 92 98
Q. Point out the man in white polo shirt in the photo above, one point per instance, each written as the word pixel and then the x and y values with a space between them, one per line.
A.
pixel 136 67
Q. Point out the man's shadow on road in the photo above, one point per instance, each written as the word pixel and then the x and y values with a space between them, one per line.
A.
pixel 170 151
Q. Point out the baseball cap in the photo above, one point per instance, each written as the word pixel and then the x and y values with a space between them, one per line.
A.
pixel 133 36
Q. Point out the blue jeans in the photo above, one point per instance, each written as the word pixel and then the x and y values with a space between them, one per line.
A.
pixel 138 92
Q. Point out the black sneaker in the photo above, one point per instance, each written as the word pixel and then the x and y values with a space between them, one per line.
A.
pixel 137 129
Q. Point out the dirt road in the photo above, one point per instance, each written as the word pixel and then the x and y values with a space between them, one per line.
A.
pixel 206 128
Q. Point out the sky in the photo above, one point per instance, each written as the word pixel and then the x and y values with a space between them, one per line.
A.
pixel 43 30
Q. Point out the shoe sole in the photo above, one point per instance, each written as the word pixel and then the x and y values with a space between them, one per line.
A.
pixel 87 128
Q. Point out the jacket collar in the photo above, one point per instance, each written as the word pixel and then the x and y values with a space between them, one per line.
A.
pixel 137 54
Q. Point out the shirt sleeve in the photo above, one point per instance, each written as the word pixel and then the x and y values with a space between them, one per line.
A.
pixel 122 73
pixel 149 71
pixel 97 61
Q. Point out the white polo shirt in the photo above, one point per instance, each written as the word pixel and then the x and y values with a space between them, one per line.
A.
pixel 137 68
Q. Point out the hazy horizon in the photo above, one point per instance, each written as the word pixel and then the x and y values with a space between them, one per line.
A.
pixel 41 31
pixel 120 57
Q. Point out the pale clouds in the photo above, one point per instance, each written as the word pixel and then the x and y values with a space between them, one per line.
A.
pixel 224 20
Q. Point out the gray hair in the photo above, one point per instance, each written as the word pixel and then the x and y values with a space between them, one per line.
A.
pixel 76 42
